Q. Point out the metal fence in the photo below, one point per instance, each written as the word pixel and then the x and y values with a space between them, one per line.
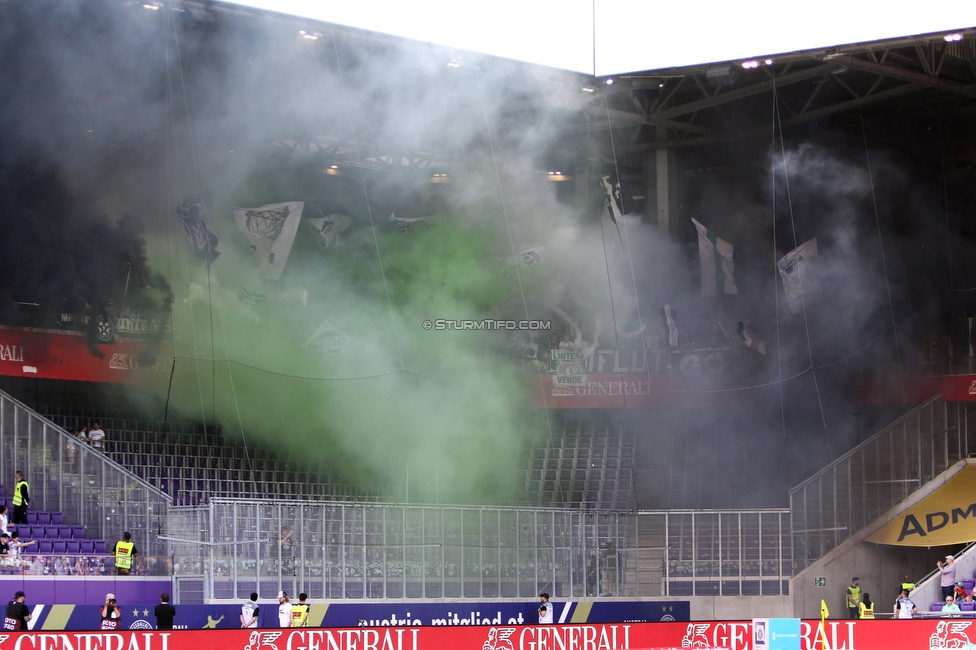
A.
pixel 347 550
pixel 857 488
pixel 68 476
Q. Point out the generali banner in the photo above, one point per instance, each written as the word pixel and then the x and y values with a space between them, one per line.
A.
pixel 947 516
pixel 728 635
pixel 48 354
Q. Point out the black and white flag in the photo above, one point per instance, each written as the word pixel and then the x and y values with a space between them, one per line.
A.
pixel 326 341
pixel 327 221
pixel 270 230
pixel 799 279
pixel 404 225
pixel 193 217
pixel 614 204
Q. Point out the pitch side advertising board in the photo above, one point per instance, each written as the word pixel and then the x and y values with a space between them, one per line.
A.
pixel 925 634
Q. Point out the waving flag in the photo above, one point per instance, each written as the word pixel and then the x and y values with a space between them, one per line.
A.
pixel 270 230
pixel 799 281
pixel 716 263
pixel 328 221
pixel 193 217
pixel 614 204
pixel 326 341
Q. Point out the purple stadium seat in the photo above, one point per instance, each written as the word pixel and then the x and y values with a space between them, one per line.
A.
pixel 968 584
pixel 44 518
pixel 34 532
pixel 57 518
pixel 967 606
pixel 87 546
pixel 78 532
pixel 100 547
pixel 3 492
pixel 74 546
pixel 937 607
pixel 64 532
pixel 45 546
pixel 32 518
pixel 51 532
pixel 60 546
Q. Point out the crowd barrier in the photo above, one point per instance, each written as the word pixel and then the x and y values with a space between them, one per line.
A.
pixel 726 635
pixel 139 616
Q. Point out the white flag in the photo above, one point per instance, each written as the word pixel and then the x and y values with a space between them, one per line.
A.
pixel 270 230
pixel 799 281
pixel 328 222
pixel 716 263
pixel 526 260
pixel 327 341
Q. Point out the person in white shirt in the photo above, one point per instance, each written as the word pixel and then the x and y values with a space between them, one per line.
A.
pixel 905 608
pixel 284 610
pixel 96 436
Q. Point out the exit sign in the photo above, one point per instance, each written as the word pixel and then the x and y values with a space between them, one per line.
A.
pixel 820 582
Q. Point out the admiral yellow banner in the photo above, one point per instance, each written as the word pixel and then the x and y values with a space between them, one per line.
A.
pixel 947 516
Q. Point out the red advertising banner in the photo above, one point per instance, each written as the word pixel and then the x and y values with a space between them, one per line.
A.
pixel 49 354
pixel 728 635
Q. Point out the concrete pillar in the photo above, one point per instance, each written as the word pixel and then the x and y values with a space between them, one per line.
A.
pixel 661 174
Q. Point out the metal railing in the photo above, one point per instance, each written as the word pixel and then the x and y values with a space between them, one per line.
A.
pixel 339 550
pixel 831 506
pixel 68 476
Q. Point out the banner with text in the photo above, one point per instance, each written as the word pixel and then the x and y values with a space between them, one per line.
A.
pixel 923 634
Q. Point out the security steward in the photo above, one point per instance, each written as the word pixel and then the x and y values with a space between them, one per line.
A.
pixel 299 612
pixel 124 552
pixel 21 498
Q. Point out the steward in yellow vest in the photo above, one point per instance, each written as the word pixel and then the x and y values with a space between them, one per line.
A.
pixel 21 498
pixel 124 551
pixel 866 607
pixel 299 612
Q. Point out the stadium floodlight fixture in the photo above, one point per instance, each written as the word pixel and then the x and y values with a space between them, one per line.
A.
pixel 751 63
pixel 952 38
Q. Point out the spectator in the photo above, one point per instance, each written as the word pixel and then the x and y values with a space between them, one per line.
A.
pixel 905 608
pixel 21 498
pixel 4 521
pixel 853 595
pixel 950 608
pixel 249 612
pixel 124 552
pixel 284 610
pixel 960 592
pixel 299 612
pixel 72 446
pixel 286 548
pixel 948 571
pixel 866 607
pixel 18 613
pixel 96 436
pixel 17 546
pixel 111 614
pixel 165 613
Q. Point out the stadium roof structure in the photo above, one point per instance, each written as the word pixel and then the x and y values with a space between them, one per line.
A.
pixel 700 82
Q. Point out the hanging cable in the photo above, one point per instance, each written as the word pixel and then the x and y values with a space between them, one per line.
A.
pixel 884 263
pixel 806 325
pixel 369 212
pixel 613 311
pixel 511 243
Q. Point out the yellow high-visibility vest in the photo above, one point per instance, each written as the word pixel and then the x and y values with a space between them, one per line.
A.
pixel 866 612
pixel 123 555
pixel 18 500
pixel 297 613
